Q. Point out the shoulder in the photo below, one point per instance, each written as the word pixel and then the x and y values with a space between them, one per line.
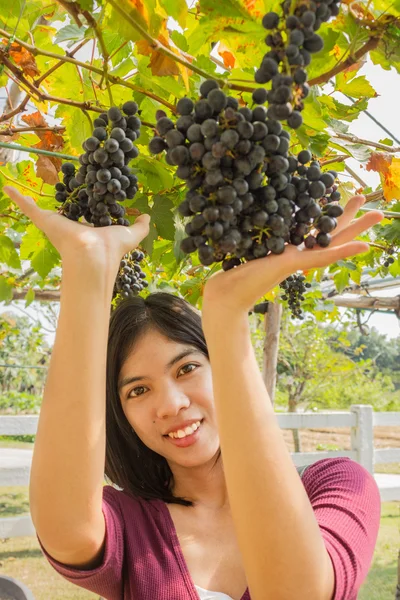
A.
pixel 128 505
pixel 342 484
pixel 346 502
pixel 340 471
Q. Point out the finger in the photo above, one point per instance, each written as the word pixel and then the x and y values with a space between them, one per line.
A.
pixel 327 256
pixel 25 203
pixel 356 228
pixel 135 233
pixel 350 211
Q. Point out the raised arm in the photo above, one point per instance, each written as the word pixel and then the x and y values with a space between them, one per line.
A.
pixel 66 484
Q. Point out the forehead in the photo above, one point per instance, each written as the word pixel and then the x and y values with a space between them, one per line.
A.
pixel 152 349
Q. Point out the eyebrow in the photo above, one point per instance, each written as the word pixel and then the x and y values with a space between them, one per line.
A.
pixel 129 379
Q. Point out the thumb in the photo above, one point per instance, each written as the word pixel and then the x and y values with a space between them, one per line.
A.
pixel 26 203
pixel 143 221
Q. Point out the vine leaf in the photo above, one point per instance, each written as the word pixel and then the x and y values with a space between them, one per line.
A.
pixel 8 254
pixel 24 59
pixel 388 168
pixel 47 167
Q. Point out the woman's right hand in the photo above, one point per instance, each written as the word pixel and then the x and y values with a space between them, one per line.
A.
pixel 75 241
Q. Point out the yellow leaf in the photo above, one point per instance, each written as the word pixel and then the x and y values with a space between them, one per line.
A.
pixel 389 172
pixel 226 55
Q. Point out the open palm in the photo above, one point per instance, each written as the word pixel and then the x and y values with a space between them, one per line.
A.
pixel 241 287
pixel 72 239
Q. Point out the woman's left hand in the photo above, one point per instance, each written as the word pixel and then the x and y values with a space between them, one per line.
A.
pixel 237 290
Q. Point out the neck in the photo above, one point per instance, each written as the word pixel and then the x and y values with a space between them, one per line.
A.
pixel 205 485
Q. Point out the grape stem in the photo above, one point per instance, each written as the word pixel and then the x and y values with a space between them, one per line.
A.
pixel 106 57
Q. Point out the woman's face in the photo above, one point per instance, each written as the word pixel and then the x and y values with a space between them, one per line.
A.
pixel 168 391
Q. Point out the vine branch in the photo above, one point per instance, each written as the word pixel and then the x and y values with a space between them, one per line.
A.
pixel 355 140
pixel 112 78
pixel 367 47
pixel 22 105
pixel 13 130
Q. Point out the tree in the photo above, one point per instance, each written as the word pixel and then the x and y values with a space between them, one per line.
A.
pixel 134 53
pixel 24 357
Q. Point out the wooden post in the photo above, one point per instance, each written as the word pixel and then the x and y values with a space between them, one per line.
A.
pixel 272 323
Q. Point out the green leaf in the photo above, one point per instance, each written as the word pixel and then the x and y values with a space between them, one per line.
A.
pixel 70 32
pixel 347 264
pixel 42 254
pixel 147 243
pixel 163 217
pixel 177 9
pixel 112 40
pixel 85 4
pixel 341 279
pixel 391 232
pixel 6 290
pixel 8 254
pixel 155 173
pixel 179 40
pixel 78 127
pixel 123 68
pixel 356 276
pixel 386 141
pixel 29 298
pixel 357 88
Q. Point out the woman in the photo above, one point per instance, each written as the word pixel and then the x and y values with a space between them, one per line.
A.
pixel 222 513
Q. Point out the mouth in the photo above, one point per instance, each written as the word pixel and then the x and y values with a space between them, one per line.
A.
pixel 187 440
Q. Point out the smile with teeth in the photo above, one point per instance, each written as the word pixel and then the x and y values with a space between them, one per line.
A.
pixel 181 433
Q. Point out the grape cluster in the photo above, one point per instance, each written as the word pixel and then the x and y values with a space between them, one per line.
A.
pixel 104 178
pixel 388 259
pixel 130 280
pixel 294 289
pixel 247 197
pixel 292 40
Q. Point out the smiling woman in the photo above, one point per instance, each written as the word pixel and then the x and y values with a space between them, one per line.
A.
pixel 168 513
pixel 215 514
pixel 157 337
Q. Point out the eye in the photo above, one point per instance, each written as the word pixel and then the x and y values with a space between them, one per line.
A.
pixel 189 365
pixel 142 387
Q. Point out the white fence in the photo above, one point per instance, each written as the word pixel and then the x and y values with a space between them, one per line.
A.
pixel 361 419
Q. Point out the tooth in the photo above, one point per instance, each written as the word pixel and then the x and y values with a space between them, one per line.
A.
pixel 183 433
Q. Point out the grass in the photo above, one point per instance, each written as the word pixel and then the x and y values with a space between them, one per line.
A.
pixel 22 558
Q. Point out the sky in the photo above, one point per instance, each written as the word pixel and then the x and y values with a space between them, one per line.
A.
pixel 385 109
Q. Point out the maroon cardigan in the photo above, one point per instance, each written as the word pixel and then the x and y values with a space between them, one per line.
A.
pixel 143 559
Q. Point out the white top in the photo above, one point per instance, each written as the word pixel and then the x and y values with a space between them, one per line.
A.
pixel 209 595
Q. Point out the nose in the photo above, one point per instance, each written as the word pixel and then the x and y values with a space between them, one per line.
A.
pixel 171 401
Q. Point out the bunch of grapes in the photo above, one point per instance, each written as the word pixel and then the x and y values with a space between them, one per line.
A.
pixel 130 279
pixel 103 181
pixel 104 178
pixel 292 41
pixel 247 197
pixel 294 289
pixel 387 257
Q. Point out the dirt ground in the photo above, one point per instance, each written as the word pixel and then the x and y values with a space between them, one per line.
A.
pixel 384 437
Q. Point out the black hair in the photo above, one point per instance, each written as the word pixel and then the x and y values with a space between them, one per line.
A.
pixel 129 463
